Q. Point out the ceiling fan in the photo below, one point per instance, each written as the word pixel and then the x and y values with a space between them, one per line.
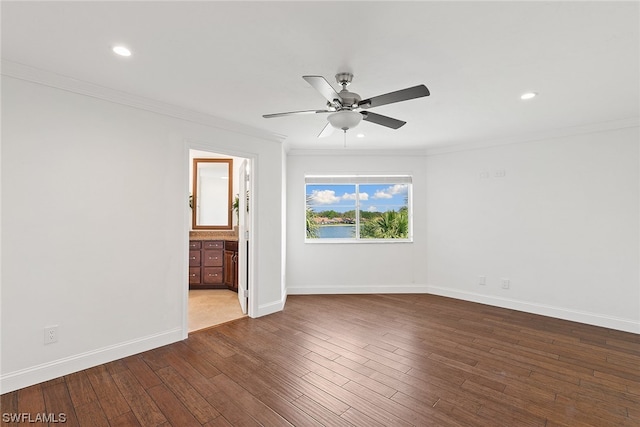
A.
pixel 345 107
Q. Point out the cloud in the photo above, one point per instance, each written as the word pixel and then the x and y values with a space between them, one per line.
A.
pixel 328 197
pixel 324 197
pixel 372 209
pixel 391 191
pixel 381 194
pixel 352 196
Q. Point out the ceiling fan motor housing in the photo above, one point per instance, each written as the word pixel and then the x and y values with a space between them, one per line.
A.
pixel 349 99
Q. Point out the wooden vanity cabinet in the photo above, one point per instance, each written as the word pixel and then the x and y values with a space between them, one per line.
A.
pixel 231 264
pixel 211 266
pixel 195 275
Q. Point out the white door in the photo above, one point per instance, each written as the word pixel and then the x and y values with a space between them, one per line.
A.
pixel 243 236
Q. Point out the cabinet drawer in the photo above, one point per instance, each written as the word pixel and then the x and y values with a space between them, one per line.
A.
pixel 212 258
pixel 212 275
pixel 195 245
pixel 194 258
pixel 231 245
pixel 213 244
pixel 194 275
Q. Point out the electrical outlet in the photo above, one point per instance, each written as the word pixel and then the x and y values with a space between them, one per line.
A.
pixel 50 334
pixel 482 280
pixel 505 284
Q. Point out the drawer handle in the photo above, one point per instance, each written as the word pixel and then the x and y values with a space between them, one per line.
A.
pixel 213 258
pixel 214 275
pixel 193 275
pixel 193 257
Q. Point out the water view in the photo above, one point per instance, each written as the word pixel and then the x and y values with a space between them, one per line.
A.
pixel 345 231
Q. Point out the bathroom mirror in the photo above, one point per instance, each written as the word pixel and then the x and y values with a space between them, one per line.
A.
pixel 211 198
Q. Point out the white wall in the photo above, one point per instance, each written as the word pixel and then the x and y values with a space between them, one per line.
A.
pixel 562 225
pixel 314 268
pixel 94 228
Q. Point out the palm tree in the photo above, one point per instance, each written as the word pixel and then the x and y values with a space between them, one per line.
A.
pixel 390 225
pixel 312 225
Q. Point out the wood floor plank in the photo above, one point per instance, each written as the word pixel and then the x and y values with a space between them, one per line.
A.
pixel 329 367
pixel 80 388
pixel 251 404
pixel 57 402
pixel 257 379
pixel 354 400
pixel 30 400
pixel 357 418
pixel 142 405
pixel 287 410
pixel 187 395
pixel 320 413
pixel 172 408
pixel 232 413
pixel 362 360
pixel 128 419
pixel 220 421
pixel 443 415
pixel 111 399
pixel 9 406
pixel 145 375
pixel 91 414
pixel 198 381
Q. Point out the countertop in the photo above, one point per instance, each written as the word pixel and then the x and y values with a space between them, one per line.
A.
pixel 213 234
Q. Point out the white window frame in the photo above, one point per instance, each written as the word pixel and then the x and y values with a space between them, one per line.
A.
pixel 357 180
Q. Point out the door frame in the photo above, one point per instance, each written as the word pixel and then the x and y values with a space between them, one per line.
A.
pixel 252 306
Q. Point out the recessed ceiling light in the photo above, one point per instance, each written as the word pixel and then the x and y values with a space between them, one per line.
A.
pixel 360 135
pixel 528 95
pixel 121 50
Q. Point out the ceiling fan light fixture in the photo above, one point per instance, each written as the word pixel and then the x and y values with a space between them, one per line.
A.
pixel 345 120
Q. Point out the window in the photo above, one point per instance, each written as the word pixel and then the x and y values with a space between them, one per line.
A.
pixel 358 208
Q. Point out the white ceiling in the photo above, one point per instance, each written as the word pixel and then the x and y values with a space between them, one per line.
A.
pixel 239 60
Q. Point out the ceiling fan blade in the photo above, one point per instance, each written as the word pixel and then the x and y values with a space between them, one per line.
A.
pixel 379 119
pixel 397 96
pixel 295 113
pixel 322 85
pixel 326 130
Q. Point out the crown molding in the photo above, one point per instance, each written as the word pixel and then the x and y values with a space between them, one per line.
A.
pixel 356 152
pixel 70 84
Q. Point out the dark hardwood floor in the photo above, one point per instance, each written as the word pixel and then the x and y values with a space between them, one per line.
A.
pixel 363 360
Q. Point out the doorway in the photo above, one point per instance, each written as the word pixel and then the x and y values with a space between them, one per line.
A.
pixel 211 307
pixel 212 303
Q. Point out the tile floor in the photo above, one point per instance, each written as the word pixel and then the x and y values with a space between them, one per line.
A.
pixel 210 307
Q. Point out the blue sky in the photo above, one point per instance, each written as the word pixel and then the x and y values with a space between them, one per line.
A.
pixel 342 197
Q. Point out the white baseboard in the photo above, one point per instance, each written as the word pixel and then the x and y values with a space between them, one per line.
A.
pixel 272 307
pixel 595 319
pixel 369 289
pixel 57 368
